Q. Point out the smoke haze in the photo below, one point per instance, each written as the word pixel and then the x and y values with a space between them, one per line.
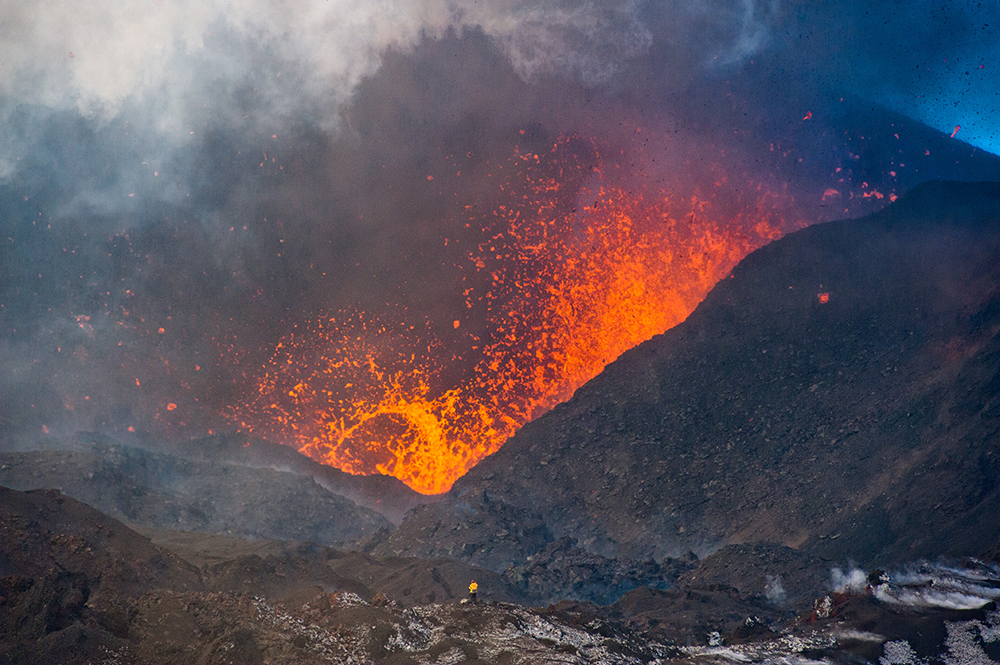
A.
pixel 184 184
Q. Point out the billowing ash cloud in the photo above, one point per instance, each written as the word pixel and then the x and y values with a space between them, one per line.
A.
pixel 184 183
pixel 173 66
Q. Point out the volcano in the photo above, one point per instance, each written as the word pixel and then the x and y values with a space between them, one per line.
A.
pixel 831 403
pixel 834 394
pixel 395 270
pixel 655 313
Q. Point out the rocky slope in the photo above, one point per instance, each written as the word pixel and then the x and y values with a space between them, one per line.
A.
pixel 838 394
pixel 77 586
pixel 835 399
pixel 385 495
pixel 167 491
pixel 67 573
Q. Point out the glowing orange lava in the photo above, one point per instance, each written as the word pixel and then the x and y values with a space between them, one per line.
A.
pixel 570 288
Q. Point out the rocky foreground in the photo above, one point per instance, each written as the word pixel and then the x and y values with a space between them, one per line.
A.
pixel 81 587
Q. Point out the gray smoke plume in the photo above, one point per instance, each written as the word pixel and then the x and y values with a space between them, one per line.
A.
pixel 183 183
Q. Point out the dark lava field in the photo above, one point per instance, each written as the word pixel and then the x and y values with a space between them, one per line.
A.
pixel 804 471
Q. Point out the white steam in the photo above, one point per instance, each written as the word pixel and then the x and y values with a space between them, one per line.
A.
pixel 934 585
pixel 94 56
pixel 775 590
pixel 854 580
pixel 174 70
pixel 588 39
pixel 927 585
pixel 952 600
pixel 167 71
pixel 750 22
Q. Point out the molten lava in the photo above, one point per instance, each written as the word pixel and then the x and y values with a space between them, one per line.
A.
pixel 568 279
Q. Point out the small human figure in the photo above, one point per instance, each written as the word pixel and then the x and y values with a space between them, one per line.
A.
pixel 473 587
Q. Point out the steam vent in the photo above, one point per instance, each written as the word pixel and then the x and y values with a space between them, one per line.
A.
pixel 499 332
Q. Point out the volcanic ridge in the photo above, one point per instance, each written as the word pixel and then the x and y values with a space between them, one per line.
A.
pixel 837 395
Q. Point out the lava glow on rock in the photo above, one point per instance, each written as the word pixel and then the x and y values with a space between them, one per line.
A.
pixel 570 282
pixel 389 235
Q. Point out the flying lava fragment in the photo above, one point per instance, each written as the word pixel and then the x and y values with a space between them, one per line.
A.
pixel 569 289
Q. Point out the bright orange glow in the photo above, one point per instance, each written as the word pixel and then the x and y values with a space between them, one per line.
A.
pixel 569 287
pixel 823 297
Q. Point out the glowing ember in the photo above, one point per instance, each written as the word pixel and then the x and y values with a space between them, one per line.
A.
pixel 572 279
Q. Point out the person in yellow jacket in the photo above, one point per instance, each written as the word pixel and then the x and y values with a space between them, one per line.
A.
pixel 473 588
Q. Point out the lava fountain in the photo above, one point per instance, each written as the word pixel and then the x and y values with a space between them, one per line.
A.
pixel 567 274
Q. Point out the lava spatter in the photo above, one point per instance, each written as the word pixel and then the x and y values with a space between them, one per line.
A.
pixel 574 270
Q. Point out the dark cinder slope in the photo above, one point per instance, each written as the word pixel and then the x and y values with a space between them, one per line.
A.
pixel 383 494
pixel 171 492
pixel 861 424
pixel 79 587
pixel 67 573
pixel 46 532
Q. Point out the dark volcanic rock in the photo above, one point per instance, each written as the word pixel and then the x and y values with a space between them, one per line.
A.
pixel 409 582
pixel 77 587
pixel 46 621
pixel 383 494
pixel 927 634
pixel 678 616
pixel 166 491
pixel 67 572
pixel 80 587
pixel 45 531
pixel 779 574
pixel 838 394
pixel 475 528
pixel 562 570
